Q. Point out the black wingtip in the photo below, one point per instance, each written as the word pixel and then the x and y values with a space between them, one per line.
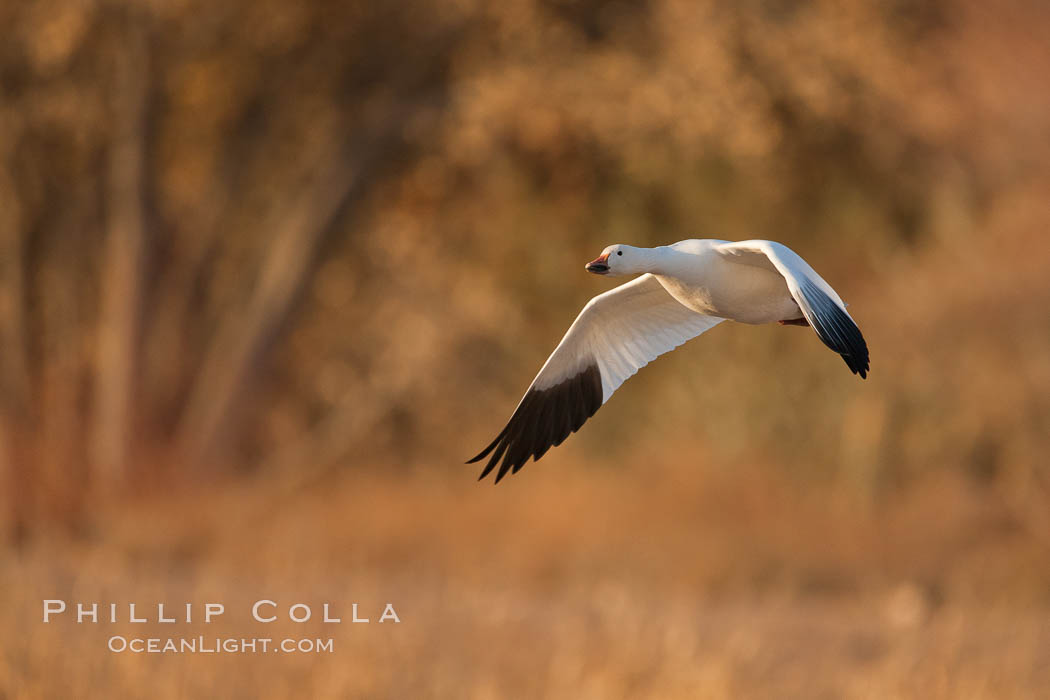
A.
pixel 543 419
pixel 836 329
pixel 481 455
pixel 857 365
pixel 492 445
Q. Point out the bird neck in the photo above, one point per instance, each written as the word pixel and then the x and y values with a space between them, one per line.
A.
pixel 653 259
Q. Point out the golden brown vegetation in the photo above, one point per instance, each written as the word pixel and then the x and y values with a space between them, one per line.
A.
pixel 270 271
pixel 583 584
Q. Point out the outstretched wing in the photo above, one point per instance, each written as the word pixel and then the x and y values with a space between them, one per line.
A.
pixel 615 335
pixel 821 306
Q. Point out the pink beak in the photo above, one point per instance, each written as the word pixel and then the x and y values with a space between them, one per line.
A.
pixel 600 265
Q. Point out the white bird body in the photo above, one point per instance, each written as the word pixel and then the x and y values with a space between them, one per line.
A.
pixel 701 278
pixel 684 290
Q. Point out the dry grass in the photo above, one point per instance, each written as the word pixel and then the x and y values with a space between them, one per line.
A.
pixel 657 581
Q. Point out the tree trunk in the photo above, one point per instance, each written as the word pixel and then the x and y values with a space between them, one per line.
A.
pixel 122 271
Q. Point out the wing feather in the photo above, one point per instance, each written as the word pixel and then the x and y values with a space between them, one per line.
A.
pixel 615 335
pixel 820 304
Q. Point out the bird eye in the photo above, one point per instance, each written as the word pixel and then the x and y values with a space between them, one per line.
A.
pixel 619 252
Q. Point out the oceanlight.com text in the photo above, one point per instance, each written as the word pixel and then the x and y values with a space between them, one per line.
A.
pixel 219 645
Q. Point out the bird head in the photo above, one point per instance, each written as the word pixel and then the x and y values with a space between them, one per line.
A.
pixel 616 260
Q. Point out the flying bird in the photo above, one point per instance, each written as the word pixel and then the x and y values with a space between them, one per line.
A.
pixel 685 289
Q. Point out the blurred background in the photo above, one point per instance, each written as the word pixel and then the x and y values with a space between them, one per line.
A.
pixel 271 271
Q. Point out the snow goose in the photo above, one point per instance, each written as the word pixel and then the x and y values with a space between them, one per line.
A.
pixel 684 289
